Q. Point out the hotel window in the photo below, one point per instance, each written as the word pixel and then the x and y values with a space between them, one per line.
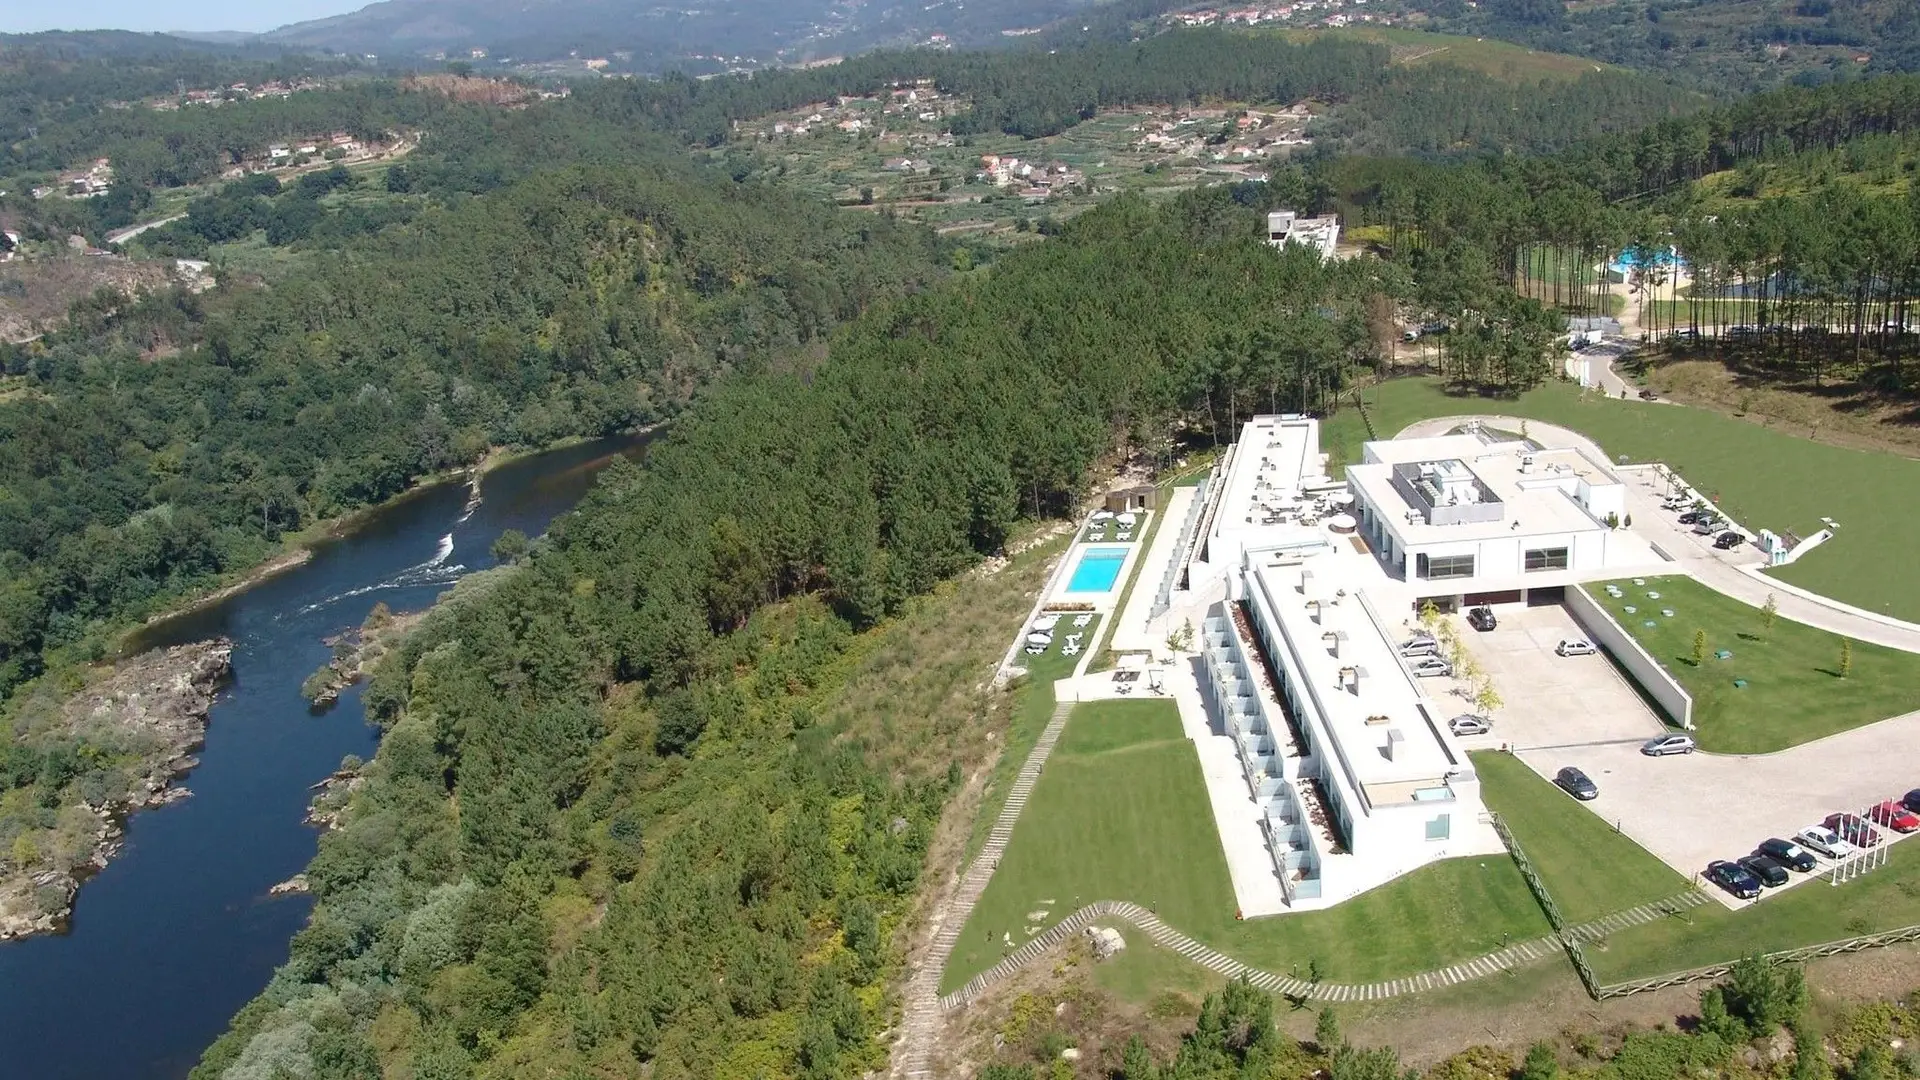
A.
pixel 1441 567
pixel 1547 559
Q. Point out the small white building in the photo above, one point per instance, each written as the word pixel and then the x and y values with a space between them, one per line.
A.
pixel 1319 233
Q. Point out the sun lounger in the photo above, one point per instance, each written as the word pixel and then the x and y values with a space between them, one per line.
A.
pixel 1082 620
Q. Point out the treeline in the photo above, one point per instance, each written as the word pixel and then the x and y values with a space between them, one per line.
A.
pixel 1435 109
pixel 627 721
pixel 157 443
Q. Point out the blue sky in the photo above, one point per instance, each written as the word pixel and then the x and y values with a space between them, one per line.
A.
pixel 25 16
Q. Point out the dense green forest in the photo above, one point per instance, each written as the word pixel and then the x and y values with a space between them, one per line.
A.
pixel 605 718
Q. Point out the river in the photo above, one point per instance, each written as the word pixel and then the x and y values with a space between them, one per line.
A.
pixel 178 932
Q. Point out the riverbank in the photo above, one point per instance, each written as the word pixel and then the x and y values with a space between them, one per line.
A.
pixel 296 548
pixel 356 651
pixel 138 728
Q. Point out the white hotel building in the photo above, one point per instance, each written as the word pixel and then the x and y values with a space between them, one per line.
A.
pixel 1351 768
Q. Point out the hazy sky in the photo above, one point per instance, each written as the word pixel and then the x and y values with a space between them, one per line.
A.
pixel 24 16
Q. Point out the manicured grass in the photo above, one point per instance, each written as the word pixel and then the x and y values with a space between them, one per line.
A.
pixel 1762 476
pixel 1793 692
pixel 1806 914
pixel 1591 869
pixel 1145 973
pixel 1122 814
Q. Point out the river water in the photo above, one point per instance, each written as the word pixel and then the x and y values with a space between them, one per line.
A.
pixel 178 932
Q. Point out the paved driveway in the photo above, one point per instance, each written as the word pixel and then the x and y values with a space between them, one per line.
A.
pixel 1692 809
pixel 1548 700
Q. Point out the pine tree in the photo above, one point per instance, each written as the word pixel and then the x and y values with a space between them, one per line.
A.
pixel 1699 647
pixel 1326 1030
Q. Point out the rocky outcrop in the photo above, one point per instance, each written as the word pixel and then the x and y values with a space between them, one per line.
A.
pixel 355 652
pixel 329 808
pixel 152 706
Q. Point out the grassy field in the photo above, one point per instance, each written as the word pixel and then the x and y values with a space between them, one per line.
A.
pixel 1122 814
pixel 1764 477
pixel 1794 692
pixel 1500 59
pixel 1590 869
pixel 1805 914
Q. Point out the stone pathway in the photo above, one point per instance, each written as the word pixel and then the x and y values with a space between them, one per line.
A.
pixel 920 1020
pixel 1513 956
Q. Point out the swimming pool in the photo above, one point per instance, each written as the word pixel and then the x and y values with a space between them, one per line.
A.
pixel 1636 258
pixel 1098 569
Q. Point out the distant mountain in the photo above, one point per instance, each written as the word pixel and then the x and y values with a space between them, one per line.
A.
pixel 647 35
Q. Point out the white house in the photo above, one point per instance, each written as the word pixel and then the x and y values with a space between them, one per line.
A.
pixel 1319 233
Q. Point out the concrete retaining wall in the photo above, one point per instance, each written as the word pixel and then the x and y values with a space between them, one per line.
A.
pixel 1645 670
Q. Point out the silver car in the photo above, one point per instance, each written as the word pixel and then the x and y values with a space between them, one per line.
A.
pixel 1428 667
pixel 1420 646
pixel 1575 647
pixel 1470 724
pixel 1668 744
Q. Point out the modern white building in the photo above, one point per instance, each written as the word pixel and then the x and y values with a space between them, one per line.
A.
pixel 1288 227
pixel 1309 584
pixel 1465 521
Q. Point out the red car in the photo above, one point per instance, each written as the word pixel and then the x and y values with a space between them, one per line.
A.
pixel 1853 830
pixel 1895 816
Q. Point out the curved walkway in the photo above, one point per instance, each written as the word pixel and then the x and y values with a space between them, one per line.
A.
pixel 1513 956
pixel 1744 583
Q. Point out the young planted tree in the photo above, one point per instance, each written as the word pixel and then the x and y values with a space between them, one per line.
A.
pixel 1485 697
pixel 1846 657
pixel 1326 1030
pixel 1699 647
pixel 1769 611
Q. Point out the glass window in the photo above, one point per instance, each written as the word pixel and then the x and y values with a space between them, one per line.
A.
pixel 1440 828
pixel 1547 559
pixel 1439 567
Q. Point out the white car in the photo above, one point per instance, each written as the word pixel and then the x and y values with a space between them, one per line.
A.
pixel 1575 647
pixel 1428 667
pixel 1470 724
pixel 1825 841
pixel 1668 744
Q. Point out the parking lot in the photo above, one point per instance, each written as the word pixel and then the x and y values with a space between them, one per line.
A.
pixel 1687 810
pixel 1548 700
pixel 1691 809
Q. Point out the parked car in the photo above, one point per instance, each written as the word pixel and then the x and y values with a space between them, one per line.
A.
pixel 1912 801
pixel 1419 646
pixel 1575 647
pixel 1707 526
pixel 1575 783
pixel 1470 724
pixel 1821 839
pixel 1648 395
pixel 1428 667
pixel 1770 873
pixel 1692 516
pixel 1668 744
pixel 1481 619
pixel 1676 502
pixel 1728 540
pixel 1734 878
pixel 1787 853
pixel 1894 816
pixel 1853 830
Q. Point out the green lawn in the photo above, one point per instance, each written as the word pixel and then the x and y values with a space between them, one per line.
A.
pixel 1762 476
pixel 1793 692
pixel 1590 869
pixel 1122 814
pixel 1032 708
pixel 1805 914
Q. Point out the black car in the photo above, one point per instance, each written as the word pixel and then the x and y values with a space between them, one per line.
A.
pixel 1912 801
pixel 1728 539
pixel 1788 853
pixel 1734 878
pixel 1481 619
pixel 1692 516
pixel 1770 873
pixel 1575 783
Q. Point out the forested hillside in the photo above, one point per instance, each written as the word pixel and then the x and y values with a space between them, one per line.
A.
pixel 605 719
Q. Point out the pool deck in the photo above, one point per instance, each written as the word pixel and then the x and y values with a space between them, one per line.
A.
pixel 1106 600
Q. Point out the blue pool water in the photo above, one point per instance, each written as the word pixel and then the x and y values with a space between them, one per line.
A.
pixel 1634 258
pixel 1099 568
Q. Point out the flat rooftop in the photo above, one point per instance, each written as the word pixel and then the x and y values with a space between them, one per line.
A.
pixel 1528 483
pixel 1385 735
